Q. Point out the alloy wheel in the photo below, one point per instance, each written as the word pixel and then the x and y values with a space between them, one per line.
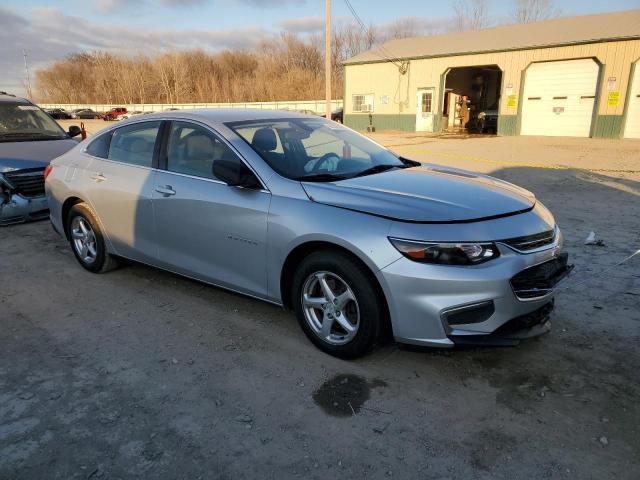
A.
pixel 84 240
pixel 330 308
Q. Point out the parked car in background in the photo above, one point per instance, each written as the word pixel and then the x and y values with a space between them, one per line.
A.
pixel 308 214
pixel 29 140
pixel 85 114
pixel 338 115
pixel 114 113
pixel 129 115
pixel 58 113
pixel 487 121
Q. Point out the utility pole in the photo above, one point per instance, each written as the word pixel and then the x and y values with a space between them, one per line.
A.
pixel 327 57
pixel 27 76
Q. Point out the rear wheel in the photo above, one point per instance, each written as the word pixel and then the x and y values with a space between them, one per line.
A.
pixel 87 240
pixel 338 304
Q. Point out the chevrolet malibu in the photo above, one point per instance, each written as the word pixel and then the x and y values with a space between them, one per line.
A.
pixel 305 213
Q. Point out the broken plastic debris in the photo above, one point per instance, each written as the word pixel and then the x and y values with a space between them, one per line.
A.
pixel 591 240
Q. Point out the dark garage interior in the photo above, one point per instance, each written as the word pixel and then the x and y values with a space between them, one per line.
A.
pixel 472 99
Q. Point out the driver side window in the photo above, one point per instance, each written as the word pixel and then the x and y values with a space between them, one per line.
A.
pixel 192 150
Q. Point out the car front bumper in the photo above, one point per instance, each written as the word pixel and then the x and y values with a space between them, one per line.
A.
pixel 15 208
pixel 440 306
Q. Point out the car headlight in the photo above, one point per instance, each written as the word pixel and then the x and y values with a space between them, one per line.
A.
pixel 445 253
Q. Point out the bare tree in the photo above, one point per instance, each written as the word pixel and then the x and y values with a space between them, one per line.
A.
pixel 285 68
pixel 470 14
pixel 527 11
pixel 403 28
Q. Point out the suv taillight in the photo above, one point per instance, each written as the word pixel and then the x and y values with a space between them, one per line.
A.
pixel 48 170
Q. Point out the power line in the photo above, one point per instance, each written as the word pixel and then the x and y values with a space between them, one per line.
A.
pixel 385 52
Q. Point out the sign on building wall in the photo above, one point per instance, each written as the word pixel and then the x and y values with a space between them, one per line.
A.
pixel 512 101
pixel 611 83
pixel 613 99
pixel 384 99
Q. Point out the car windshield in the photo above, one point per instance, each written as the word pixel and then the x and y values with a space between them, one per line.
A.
pixel 24 122
pixel 314 149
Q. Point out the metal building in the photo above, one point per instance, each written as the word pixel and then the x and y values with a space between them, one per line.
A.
pixel 573 76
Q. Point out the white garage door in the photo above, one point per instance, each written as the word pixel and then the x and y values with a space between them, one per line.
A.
pixel 559 98
pixel 632 129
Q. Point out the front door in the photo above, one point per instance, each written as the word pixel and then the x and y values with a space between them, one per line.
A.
pixel 424 116
pixel 207 229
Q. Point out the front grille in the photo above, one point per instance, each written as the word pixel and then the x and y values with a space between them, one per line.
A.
pixel 531 242
pixel 539 280
pixel 28 183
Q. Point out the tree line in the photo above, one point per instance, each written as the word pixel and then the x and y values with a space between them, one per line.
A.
pixel 287 67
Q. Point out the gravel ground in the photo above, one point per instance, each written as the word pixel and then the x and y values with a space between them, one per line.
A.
pixel 142 374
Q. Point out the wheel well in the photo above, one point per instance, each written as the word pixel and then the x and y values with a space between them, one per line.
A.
pixel 300 252
pixel 66 207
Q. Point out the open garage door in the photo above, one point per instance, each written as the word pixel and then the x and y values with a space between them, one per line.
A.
pixel 559 98
pixel 472 99
pixel 632 128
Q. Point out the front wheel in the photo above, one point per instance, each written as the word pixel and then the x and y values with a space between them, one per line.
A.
pixel 338 304
pixel 87 240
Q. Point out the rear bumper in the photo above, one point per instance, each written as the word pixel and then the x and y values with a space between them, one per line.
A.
pixel 18 209
pixel 441 306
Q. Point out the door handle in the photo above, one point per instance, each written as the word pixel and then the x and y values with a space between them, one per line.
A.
pixel 98 177
pixel 165 191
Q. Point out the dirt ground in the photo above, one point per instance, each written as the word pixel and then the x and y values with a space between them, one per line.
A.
pixel 142 374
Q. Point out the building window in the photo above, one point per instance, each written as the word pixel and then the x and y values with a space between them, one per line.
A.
pixel 427 98
pixel 363 103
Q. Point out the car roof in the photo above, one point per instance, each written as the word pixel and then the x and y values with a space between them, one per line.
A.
pixel 8 98
pixel 223 115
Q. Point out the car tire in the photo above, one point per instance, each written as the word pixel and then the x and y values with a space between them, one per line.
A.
pixel 87 240
pixel 365 313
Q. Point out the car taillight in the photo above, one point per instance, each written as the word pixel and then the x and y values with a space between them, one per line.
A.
pixel 48 170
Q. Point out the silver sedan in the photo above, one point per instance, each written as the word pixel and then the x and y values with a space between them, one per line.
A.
pixel 308 214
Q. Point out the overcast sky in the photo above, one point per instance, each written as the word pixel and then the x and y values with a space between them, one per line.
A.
pixel 50 30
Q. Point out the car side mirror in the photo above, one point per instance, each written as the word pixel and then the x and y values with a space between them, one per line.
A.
pixel 235 174
pixel 74 131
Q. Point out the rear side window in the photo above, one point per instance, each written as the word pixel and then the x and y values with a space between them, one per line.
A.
pixel 100 146
pixel 134 144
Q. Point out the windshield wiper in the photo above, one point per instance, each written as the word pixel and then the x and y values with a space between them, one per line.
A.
pixel 29 136
pixel 320 177
pixel 378 169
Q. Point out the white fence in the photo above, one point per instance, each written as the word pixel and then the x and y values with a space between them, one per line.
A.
pixel 317 106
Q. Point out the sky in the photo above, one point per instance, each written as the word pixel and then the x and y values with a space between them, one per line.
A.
pixel 50 30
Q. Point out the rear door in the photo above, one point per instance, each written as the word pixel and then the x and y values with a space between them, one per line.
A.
pixel 205 228
pixel 121 187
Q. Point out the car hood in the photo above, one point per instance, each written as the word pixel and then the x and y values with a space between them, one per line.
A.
pixel 38 154
pixel 427 194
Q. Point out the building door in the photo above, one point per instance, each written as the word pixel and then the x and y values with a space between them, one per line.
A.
pixel 632 127
pixel 424 116
pixel 559 98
